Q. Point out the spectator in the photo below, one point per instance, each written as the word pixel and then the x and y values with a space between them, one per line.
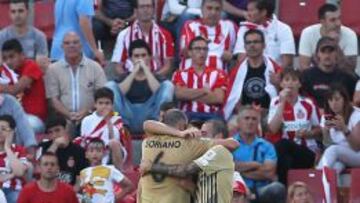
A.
pixel 316 80
pixel 107 174
pixel 111 16
pixel 329 17
pixel 299 192
pixel 75 16
pixel 32 40
pixel 253 81
pixel 279 40
pixel 24 134
pixel 71 156
pixel 296 119
pixel 145 28
pixel 200 88
pixel 72 81
pixel 241 193
pixel 105 125
pixel 221 35
pixel 338 122
pixel 137 106
pixel 48 188
pixel 256 158
pixel 356 98
pixel 13 161
pixel 236 10
pixel 30 85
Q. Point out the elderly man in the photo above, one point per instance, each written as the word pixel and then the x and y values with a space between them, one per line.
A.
pixel 72 81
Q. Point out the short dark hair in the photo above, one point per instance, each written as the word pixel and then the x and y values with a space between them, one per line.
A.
pixel 95 141
pixel 12 45
pixel 268 5
pixel 26 2
pixel 48 153
pixel 196 39
pixel 291 72
pixel 173 117
pixel 139 44
pixel 254 31
pixel 9 119
pixel 326 8
pixel 218 126
pixel 104 92
pixel 55 120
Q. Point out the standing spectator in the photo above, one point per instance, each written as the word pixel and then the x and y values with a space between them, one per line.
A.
pixel 256 158
pixel 48 188
pixel 32 40
pixel 137 106
pixel 253 81
pixel 145 28
pixel 71 156
pixel 279 39
pixel 316 80
pixel 221 35
pixel 329 17
pixel 200 88
pixel 13 161
pixel 296 119
pixel 75 16
pixel 72 81
pixel 30 84
pixel 299 192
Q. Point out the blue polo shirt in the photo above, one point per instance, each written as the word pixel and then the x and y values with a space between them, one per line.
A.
pixel 246 153
pixel 67 14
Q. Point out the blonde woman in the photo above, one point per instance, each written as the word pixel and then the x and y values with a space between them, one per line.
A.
pixel 298 192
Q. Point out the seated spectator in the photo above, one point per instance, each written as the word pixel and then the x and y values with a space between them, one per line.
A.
pixel 200 88
pixel 137 106
pixel 338 122
pixel 221 35
pixel 145 28
pixel 104 124
pixel 72 81
pixel 279 39
pixel 24 134
pixel 107 174
pixel 236 10
pixel 317 80
pixel 295 119
pixel 298 192
pixel 253 81
pixel 256 158
pixel 13 161
pixel 32 40
pixel 25 81
pixel 48 188
pixel 329 17
pixel 111 16
pixel 241 191
pixel 71 156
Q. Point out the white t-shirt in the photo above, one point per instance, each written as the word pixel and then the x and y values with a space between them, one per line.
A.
pixel 2 197
pixel 337 136
pixel 311 35
pixel 173 7
pixel 97 183
pixel 279 38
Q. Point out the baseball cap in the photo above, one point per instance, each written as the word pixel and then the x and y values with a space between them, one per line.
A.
pixel 326 43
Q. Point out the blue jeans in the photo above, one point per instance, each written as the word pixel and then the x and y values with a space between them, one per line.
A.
pixel 11 195
pixel 134 115
pixel 36 124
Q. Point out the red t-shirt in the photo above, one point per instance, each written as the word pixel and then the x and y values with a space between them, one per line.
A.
pixel 31 193
pixel 34 99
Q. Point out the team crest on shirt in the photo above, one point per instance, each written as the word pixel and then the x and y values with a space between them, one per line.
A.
pixel 300 114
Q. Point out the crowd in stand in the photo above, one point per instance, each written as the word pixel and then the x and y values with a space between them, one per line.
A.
pixel 211 88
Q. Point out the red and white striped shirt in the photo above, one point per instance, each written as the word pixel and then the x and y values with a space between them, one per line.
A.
pixel 160 41
pixel 221 38
pixel 210 78
pixel 14 183
pixel 301 116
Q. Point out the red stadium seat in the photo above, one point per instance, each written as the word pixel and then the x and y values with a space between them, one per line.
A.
pixel 355 185
pixel 299 14
pixel 44 17
pixel 313 178
pixel 349 14
pixel 5 18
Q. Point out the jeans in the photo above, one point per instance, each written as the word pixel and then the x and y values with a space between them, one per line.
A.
pixel 11 195
pixel 36 124
pixel 274 192
pixel 134 115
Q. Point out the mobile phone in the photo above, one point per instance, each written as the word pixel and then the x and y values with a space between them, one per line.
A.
pixel 329 117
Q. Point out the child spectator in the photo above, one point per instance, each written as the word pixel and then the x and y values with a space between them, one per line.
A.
pixel 97 181
pixel 298 192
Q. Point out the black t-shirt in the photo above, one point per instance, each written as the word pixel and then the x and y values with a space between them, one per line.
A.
pixel 316 83
pixel 139 92
pixel 71 161
pixel 254 88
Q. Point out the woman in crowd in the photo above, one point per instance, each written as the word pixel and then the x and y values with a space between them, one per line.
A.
pixel 299 192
